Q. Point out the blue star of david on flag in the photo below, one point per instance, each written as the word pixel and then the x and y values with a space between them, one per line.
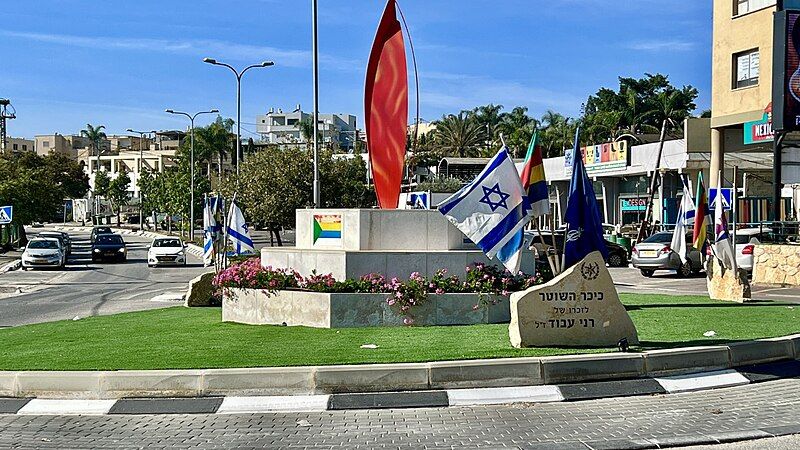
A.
pixel 487 197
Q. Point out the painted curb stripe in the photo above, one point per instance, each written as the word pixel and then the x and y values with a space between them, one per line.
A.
pixel 12 405
pixel 201 405
pixel 605 389
pixel 384 400
pixel 621 444
pixel 499 396
pixel 772 371
pixel 702 381
pixel 71 407
pixel 285 403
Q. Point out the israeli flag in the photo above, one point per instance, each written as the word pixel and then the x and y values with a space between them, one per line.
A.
pixel 210 230
pixel 238 233
pixel 493 210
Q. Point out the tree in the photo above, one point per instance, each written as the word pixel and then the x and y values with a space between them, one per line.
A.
pixel 306 127
pixel 517 128
pixel 95 135
pixel 460 134
pixel 118 192
pixel 102 184
pixel 67 173
pixel 212 142
pixel 489 117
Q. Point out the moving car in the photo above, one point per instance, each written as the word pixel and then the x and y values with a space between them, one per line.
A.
pixel 617 254
pixel 97 231
pixel 654 253
pixel 42 252
pixel 166 251
pixel 63 238
pixel 109 246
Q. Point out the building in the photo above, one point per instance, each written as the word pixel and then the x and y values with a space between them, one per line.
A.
pixel 71 145
pixel 741 97
pixel 278 127
pixel 16 145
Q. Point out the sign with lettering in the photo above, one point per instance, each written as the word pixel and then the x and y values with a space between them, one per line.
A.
pixel 580 307
pixel 760 131
pixel 633 204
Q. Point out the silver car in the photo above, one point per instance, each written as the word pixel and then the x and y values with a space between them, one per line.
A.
pixel 654 253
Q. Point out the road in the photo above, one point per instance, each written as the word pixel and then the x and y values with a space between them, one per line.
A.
pixel 85 289
pixel 755 410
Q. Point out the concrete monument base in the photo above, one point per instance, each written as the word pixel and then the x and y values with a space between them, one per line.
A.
pixel 322 310
pixel 725 284
pixel 578 308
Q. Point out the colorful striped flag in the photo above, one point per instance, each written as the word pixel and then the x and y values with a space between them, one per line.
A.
pixel 533 179
pixel 702 215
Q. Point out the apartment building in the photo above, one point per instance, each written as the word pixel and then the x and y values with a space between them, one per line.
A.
pixel 278 127
pixel 16 145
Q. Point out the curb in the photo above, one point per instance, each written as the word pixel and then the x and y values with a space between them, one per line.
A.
pixel 13 265
pixel 409 399
pixel 656 371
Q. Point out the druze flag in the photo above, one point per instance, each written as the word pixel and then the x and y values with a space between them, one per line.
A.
pixel 492 211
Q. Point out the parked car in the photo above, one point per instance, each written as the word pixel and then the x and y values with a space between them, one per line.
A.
pixel 166 251
pixel 109 246
pixel 62 237
pixel 655 253
pixel 42 252
pixel 746 240
pixel 97 231
pixel 617 254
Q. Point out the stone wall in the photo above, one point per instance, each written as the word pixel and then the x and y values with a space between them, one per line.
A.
pixel 321 310
pixel 776 264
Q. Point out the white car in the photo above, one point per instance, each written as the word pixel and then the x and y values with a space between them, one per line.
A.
pixel 166 251
pixel 43 252
pixel 746 240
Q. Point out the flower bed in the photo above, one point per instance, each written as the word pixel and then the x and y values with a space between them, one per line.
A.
pixel 410 300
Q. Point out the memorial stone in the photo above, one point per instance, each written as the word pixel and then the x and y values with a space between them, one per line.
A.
pixel 579 307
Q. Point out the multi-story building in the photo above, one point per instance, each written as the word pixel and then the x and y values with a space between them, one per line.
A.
pixel 278 127
pixel 16 145
pixel 71 145
pixel 741 102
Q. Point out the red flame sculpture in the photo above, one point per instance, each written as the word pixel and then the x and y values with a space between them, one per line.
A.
pixel 386 108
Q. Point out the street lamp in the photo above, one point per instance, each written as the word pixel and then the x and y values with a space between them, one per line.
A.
pixel 139 173
pixel 238 99
pixel 191 162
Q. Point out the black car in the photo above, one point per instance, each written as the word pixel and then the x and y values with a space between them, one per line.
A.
pixel 617 254
pixel 109 246
pixel 97 231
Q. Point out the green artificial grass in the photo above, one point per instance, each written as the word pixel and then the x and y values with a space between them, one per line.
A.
pixel 181 338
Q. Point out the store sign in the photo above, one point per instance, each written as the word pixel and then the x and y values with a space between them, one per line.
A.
pixel 760 131
pixel 601 158
pixel 633 204
pixel 786 68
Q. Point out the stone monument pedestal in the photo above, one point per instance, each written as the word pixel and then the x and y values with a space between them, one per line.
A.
pixel 578 308
pixel 726 284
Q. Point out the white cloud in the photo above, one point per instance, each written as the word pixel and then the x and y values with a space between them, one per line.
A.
pixel 662 46
pixel 221 50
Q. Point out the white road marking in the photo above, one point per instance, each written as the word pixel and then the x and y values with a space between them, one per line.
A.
pixel 72 407
pixel 701 381
pixel 285 403
pixel 504 395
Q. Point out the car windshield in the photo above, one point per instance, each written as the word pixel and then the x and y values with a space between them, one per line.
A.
pixel 109 239
pixel 762 238
pixel 102 230
pixel 167 243
pixel 43 244
pixel 659 238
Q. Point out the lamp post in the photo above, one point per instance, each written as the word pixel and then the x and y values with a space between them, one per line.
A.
pixel 238 99
pixel 191 162
pixel 315 73
pixel 139 173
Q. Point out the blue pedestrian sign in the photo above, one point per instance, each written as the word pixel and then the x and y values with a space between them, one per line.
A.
pixel 6 214
pixel 727 198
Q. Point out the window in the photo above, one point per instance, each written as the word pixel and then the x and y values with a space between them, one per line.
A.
pixel 24 147
pixel 746 68
pixel 45 144
pixel 746 6
pixel 15 146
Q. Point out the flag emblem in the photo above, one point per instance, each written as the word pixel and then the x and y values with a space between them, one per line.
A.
pixel 328 229
pixel 487 197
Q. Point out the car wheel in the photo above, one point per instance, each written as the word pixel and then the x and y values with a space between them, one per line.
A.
pixel 648 272
pixel 615 260
pixel 685 270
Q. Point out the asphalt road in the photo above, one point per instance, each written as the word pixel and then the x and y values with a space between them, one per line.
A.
pixel 85 289
pixel 744 412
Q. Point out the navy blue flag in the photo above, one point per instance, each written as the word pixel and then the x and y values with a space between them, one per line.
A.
pixel 584 226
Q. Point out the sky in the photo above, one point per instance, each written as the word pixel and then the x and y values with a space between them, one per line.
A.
pixel 66 63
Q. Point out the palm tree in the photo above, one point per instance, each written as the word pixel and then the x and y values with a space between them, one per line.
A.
pixel 489 117
pixel 518 128
pixel 306 127
pixel 460 134
pixel 95 135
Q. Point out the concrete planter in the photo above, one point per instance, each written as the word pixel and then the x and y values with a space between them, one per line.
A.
pixel 321 310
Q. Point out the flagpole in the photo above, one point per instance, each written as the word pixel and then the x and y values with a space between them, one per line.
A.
pixel 547 254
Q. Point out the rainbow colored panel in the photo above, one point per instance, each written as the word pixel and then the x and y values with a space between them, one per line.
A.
pixel 327 229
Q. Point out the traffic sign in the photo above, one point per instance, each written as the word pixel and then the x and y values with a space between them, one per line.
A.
pixel 6 214
pixel 727 198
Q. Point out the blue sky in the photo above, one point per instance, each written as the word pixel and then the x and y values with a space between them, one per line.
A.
pixel 66 63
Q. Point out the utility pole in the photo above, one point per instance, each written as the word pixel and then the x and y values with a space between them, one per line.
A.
pixel 5 114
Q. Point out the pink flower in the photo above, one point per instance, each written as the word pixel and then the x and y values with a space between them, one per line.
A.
pixel 475 307
pixel 408 321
